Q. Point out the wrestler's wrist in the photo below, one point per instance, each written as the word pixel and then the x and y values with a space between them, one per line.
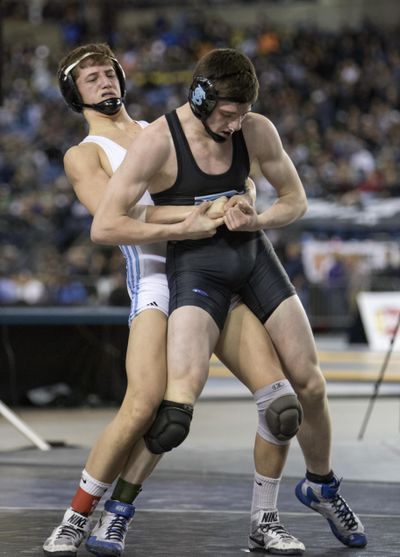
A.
pixel 258 223
pixel 249 198
pixel 178 231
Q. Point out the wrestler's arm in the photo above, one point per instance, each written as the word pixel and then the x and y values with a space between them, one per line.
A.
pixel 279 170
pixel 89 180
pixel 144 160
pixel 265 146
pixel 167 214
pixel 88 177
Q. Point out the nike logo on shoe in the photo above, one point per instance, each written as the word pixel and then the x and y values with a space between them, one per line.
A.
pixel 268 517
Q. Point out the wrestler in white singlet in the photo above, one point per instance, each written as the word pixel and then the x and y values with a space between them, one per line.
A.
pixel 145 265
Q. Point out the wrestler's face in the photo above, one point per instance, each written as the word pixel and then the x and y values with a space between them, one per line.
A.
pixel 227 117
pixel 97 83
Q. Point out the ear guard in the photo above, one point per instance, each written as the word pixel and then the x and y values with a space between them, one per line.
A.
pixel 202 97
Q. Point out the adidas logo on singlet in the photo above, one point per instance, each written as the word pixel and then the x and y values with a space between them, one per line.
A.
pixel 152 304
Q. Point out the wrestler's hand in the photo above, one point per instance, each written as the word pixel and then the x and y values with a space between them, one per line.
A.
pixel 249 196
pixel 242 216
pixel 217 207
pixel 233 201
pixel 198 224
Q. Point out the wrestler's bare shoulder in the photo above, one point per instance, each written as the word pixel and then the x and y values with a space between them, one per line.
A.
pixel 261 134
pixel 255 122
pixel 81 153
pixel 159 126
pixel 154 139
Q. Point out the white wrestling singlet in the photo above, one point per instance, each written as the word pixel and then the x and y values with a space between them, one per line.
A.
pixel 145 265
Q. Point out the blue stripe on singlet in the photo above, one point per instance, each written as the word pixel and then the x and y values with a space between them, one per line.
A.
pixel 132 274
pixel 198 199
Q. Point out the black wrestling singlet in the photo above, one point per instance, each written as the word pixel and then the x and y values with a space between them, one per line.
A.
pixel 205 273
pixel 192 185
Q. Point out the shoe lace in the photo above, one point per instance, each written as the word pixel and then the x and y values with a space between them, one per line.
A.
pixel 277 528
pixel 343 512
pixel 117 528
pixel 68 531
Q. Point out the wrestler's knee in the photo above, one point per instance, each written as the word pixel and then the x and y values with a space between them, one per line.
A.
pixel 170 427
pixel 138 412
pixel 280 412
pixel 313 391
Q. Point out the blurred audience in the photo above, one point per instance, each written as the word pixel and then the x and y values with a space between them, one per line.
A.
pixel 334 98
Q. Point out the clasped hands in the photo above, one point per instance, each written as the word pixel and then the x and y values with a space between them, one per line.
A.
pixel 237 212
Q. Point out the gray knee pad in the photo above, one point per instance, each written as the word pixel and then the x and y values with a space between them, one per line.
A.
pixel 279 412
pixel 170 428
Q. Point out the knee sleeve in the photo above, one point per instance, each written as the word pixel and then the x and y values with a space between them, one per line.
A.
pixel 279 412
pixel 170 428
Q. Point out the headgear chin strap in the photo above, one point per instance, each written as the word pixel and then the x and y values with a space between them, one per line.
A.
pixel 109 107
pixel 73 98
pixel 215 136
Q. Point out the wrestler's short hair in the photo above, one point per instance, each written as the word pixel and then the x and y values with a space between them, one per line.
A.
pixel 100 53
pixel 232 74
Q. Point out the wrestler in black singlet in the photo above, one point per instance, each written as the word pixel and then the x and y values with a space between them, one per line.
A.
pixel 205 273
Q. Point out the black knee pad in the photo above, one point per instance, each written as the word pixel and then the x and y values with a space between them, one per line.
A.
pixel 284 416
pixel 170 428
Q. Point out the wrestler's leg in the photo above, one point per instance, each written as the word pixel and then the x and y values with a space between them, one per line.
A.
pixel 292 336
pixel 141 461
pixel 271 296
pixel 146 370
pixel 247 350
pixel 146 373
pixel 192 335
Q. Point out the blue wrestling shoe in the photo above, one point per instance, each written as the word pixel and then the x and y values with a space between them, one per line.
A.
pixel 108 536
pixel 326 500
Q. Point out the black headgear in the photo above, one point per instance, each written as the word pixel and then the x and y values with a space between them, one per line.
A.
pixel 203 98
pixel 73 98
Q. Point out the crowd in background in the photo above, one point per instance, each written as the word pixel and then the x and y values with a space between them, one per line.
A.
pixel 333 96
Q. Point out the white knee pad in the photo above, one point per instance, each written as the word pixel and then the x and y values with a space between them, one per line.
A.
pixel 279 412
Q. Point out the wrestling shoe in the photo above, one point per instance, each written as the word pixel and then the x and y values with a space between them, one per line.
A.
pixel 268 535
pixel 325 499
pixel 68 536
pixel 108 536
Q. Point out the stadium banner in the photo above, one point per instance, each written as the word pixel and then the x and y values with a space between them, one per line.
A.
pixel 380 314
